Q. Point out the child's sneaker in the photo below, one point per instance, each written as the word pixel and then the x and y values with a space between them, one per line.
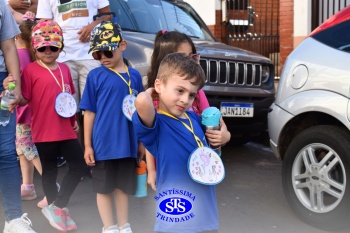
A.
pixel 28 192
pixel 56 217
pixel 70 224
pixel 43 203
pixel 111 229
pixel 125 229
pixel 21 224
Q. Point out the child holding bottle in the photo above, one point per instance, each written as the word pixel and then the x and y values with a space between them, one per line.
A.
pixel 173 135
pixel 167 42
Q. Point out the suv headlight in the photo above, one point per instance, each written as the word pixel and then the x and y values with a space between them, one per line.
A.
pixel 265 74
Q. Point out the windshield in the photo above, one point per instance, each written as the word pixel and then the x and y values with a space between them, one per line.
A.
pixel 150 16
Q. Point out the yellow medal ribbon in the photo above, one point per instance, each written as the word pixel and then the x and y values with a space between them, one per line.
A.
pixel 190 128
pixel 127 83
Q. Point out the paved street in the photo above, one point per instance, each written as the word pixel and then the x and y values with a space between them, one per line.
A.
pixel 250 199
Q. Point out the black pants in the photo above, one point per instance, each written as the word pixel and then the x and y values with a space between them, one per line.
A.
pixel 73 154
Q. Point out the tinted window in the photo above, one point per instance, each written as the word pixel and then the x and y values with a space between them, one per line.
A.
pixel 337 37
pixel 150 16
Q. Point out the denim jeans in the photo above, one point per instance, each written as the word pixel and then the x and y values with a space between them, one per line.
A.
pixel 10 180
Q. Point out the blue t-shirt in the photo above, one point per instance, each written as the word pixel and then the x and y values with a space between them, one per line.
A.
pixel 182 205
pixel 113 135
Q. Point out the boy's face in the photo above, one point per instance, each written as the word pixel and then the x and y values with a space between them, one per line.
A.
pixel 176 95
pixel 115 60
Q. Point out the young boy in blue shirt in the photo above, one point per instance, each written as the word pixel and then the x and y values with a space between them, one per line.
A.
pixel 111 145
pixel 171 135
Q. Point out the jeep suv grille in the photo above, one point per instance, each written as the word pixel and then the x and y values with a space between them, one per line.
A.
pixel 231 73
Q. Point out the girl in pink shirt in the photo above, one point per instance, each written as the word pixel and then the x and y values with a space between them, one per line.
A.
pixel 47 88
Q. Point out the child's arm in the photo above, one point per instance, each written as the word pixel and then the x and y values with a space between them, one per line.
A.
pixel 218 137
pixel 145 108
pixel 151 170
pixel 89 118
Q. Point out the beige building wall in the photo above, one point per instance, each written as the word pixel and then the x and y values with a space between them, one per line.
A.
pixel 302 20
pixel 205 9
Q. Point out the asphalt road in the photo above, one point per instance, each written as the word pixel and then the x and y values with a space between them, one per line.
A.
pixel 250 199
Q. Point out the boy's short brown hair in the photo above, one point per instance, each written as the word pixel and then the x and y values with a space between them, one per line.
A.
pixel 182 65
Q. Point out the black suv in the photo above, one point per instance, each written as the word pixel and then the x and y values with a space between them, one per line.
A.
pixel 240 83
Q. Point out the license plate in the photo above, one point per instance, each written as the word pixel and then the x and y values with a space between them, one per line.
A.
pixel 237 110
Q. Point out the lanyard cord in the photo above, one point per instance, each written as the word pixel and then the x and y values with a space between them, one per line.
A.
pixel 54 75
pixel 190 128
pixel 127 83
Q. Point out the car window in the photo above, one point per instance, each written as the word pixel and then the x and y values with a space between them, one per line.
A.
pixel 180 20
pixel 150 16
pixel 337 37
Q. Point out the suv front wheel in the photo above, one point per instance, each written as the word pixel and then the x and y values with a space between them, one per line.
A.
pixel 316 176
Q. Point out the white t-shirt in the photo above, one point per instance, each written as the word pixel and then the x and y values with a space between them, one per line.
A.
pixel 71 15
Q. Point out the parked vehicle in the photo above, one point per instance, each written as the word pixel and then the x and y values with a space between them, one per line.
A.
pixel 309 125
pixel 239 82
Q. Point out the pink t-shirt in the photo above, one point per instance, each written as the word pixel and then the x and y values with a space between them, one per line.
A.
pixel 22 112
pixel 40 89
pixel 200 103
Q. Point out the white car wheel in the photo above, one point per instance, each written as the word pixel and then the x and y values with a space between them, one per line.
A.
pixel 316 176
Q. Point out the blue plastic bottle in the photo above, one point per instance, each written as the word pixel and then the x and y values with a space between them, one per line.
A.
pixel 141 182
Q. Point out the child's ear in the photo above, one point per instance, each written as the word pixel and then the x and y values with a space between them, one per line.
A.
pixel 158 86
pixel 122 45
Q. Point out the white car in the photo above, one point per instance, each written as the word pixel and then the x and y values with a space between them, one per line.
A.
pixel 309 125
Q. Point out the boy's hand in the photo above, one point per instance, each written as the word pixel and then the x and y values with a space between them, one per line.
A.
pixel 218 137
pixel 141 151
pixel 89 156
pixel 151 179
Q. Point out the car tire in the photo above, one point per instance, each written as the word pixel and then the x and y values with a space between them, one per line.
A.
pixel 316 177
